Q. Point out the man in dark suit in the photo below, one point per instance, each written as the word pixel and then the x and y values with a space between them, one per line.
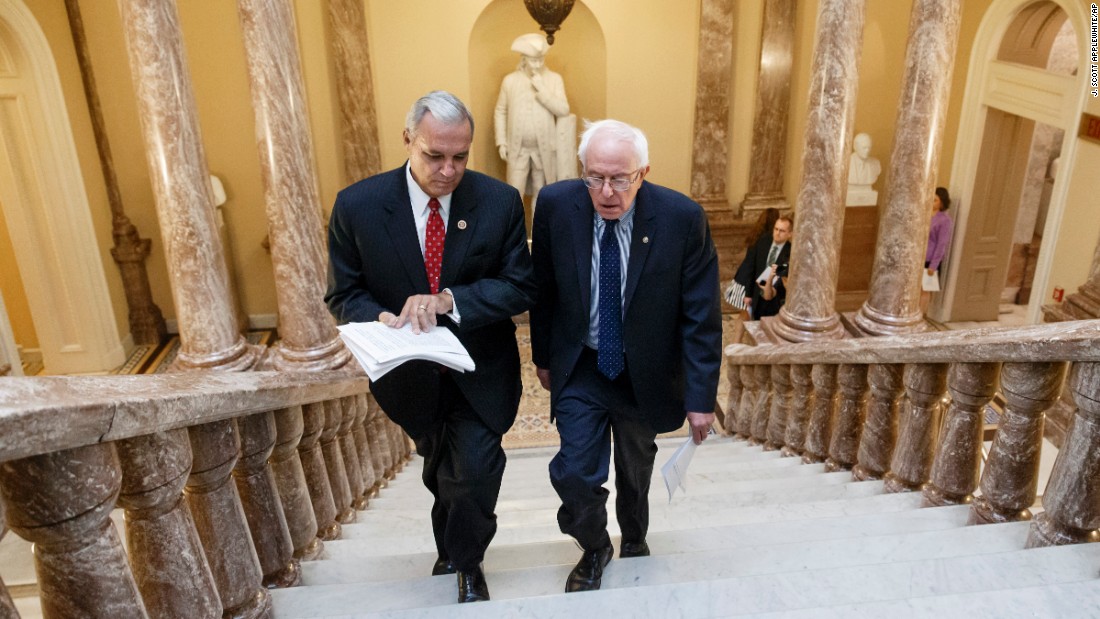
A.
pixel 767 262
pixel 429 244
pixel 626 334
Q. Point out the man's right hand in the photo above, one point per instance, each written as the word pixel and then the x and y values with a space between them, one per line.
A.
pixel 544 377
pixel 748 301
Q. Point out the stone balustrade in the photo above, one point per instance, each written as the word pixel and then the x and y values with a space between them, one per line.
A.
pixel 909 410
pixel 226 480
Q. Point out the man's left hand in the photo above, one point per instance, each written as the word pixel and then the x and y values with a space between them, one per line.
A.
pixel 700 426
pixel 420 310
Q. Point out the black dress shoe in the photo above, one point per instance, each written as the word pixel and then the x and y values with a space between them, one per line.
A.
pixel 589 571
pixel 442 566
pixel 633 549
pixel 472 586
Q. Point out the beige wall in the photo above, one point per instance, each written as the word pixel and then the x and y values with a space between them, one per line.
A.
pixel 11 289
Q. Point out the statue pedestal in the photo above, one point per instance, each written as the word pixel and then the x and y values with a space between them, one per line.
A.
pixel 861 195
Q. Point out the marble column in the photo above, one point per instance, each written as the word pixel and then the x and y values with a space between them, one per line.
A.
pixel 911 462
pixel 748 401
pixel 290 479
pixel 850 413
pixel 346 436
pixel 1010 480
pixel 763 379
pixel 354 89
pixel 263 510
pixel 893 303
pixel 168 560
pixel 733 401
pixel 62 502
pixel 1071 501
pixel 313 465
pixel 709 156
pixel 773 102
pixel 781 403
pixel 819 430
pixel 810 313
pixel 334 462
pixel 798 414
pixel 209 334
pixel 308 336
pixel 363 448
pixel 221 522
pixel 958 460
pixel 880 429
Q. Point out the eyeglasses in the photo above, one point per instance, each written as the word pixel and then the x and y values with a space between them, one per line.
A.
pixel 617 183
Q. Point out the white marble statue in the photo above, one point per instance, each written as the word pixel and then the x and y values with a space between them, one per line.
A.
pixel 532 119
pixel 863 171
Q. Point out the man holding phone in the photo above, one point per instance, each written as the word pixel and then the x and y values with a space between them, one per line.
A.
pixel 767 264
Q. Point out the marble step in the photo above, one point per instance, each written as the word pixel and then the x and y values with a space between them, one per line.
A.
pixel 541 495
pixel 416 537
pixel 381 523
pixel 347 563
pixel 765 579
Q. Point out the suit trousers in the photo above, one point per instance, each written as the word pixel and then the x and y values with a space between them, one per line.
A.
pixel 463 468
pixel 591 411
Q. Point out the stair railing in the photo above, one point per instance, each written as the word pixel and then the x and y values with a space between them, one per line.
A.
pixel 875 406
pixel 164 448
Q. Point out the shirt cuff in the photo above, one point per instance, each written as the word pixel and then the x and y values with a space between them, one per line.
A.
pixel 453 314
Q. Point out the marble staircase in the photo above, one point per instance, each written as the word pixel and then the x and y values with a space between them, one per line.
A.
pixel 755 534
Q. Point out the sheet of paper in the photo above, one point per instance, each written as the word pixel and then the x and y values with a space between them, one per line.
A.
pixel 675 470
pixel 379 348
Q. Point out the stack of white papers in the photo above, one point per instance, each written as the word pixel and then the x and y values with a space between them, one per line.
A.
pixel 675 470
pixel 380 348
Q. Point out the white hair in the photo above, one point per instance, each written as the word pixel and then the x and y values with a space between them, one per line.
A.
pixel 617 130
pixel 444 107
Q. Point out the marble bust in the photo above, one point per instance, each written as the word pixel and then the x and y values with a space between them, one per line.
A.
pixel 528 120
pixel 863 171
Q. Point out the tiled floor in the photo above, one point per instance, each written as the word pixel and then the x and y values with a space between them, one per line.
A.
pixel 1010 316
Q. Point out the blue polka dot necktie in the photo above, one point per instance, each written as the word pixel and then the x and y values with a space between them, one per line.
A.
pixel 609 357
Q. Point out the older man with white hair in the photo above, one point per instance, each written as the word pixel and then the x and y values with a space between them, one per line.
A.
pixel 531 100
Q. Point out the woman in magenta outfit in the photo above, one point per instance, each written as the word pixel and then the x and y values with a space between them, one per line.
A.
pixel 939 239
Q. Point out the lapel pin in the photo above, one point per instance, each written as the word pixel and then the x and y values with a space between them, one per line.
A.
pixel 461 224
pixel 645 239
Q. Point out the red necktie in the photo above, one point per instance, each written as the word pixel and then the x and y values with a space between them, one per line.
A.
pixel 434 233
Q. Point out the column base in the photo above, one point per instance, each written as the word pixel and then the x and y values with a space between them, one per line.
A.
pixel 330 532
pixel 331 355
pixel 788 328
pixel 871 321
pixel 983 512
pixel 311 552
pixel 862 473
pixel 257 607
pixel 289 576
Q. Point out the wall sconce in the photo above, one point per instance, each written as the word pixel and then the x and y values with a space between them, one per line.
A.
pixel 549 14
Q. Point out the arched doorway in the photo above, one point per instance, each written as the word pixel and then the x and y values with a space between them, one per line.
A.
pixel 46 209
pixel 1021 98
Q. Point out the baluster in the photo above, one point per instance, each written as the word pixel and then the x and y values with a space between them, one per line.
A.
pixel 351 454
pixel 733 402
pixel 957 464
pixel 763 374
pixel 62 503
pixel 166 555
pixel 290 480
pixel 381 452
pixel 260 499
pixel 313 464
pixel 220 520
pixel 1011 477
pixel 925 384
pixel 334 462
pixel 781 403
pixel 880 428
pixel 802 402
pixel 1071 501
pixel 820 427
pixel 7 607
pixel 362 444
pixel 849 417
pixel 748 401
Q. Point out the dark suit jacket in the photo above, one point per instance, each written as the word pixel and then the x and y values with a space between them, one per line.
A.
pixel 672 328
pixel 375 264
pixel 754 264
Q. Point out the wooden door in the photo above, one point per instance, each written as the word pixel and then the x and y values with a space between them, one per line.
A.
pixel 982 262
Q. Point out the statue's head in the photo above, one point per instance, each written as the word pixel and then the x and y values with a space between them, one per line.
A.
pixel 862 145
pixel 533 48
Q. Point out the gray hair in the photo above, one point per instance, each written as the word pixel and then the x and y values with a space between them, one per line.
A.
pixel 617 130
pixel 444 107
